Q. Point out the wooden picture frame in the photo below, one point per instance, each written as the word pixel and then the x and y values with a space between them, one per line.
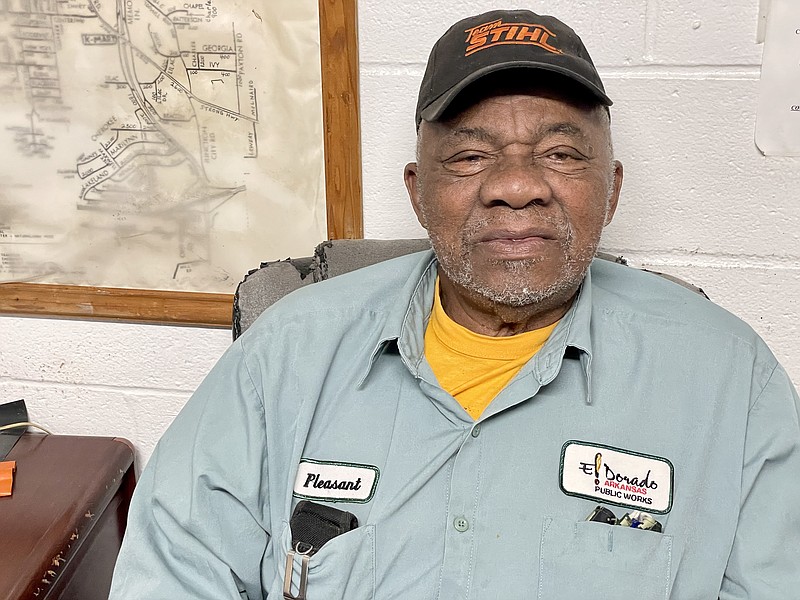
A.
pixel 339 58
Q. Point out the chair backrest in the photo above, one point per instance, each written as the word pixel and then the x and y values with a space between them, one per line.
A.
pixel 271 281
pixel 267 284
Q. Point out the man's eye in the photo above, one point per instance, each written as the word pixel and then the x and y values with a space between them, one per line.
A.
pixel 562 156
pixel 564 159
pixel 468 158
pixel 466 162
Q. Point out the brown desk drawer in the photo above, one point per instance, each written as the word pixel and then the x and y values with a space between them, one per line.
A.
pixel 61 529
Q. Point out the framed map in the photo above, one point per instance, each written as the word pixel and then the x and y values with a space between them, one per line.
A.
pixel 156 150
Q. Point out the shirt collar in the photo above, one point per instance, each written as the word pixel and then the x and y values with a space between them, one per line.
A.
pixel 408 316
pixel 573 331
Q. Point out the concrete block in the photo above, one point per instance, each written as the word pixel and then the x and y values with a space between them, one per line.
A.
pixel 694 181
pixel 393 222
pixel 121 355
pixel 389 97
pixel 704 33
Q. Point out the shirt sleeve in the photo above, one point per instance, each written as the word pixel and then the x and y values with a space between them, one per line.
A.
pixel 197 526
pixel 763 564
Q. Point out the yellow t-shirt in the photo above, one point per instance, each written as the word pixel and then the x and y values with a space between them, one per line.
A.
pixel 471 367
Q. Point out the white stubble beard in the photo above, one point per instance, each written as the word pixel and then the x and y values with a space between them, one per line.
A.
pixel 457 264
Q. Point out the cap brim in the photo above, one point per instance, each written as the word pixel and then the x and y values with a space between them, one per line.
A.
pixel 435 109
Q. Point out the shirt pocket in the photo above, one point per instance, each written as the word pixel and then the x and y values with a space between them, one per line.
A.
pixel 584 559
pixel 343 569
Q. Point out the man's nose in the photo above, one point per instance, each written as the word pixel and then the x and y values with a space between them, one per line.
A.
pixel 516 182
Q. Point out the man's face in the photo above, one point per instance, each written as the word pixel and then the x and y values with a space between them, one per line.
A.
pixel 514 191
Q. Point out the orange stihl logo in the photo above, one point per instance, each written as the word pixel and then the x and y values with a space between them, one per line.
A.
pixel 497 33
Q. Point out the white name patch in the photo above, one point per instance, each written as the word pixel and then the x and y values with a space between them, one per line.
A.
pixel 335 481
pixel 617 476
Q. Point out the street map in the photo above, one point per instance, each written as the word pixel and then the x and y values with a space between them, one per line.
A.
pixel 158 144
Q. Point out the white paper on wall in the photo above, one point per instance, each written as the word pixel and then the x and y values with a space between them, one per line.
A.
pixel 158 143
pixel 778 116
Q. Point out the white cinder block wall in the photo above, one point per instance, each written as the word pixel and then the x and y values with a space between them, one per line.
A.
pixel 699 201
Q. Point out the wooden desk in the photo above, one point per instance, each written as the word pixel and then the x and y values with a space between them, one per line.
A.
pixel 61 529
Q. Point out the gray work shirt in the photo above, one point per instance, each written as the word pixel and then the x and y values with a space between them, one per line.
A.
pixel 646 397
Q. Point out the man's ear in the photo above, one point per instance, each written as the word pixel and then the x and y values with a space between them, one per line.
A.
pixel 411 177
pixel 614 199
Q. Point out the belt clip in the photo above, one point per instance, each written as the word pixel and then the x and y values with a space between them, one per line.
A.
pixel 305 554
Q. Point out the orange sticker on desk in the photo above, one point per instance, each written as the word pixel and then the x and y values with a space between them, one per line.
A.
pixel 7 469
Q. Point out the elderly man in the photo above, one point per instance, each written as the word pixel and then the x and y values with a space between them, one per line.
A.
pixel 504 417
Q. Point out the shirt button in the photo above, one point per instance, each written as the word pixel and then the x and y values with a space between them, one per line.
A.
pixel 476 431
pixel 461 524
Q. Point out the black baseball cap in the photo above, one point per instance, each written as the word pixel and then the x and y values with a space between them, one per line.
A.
pixel 498 40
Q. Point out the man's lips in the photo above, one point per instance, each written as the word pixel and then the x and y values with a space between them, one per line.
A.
pixel 517 244
pixel 520 235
